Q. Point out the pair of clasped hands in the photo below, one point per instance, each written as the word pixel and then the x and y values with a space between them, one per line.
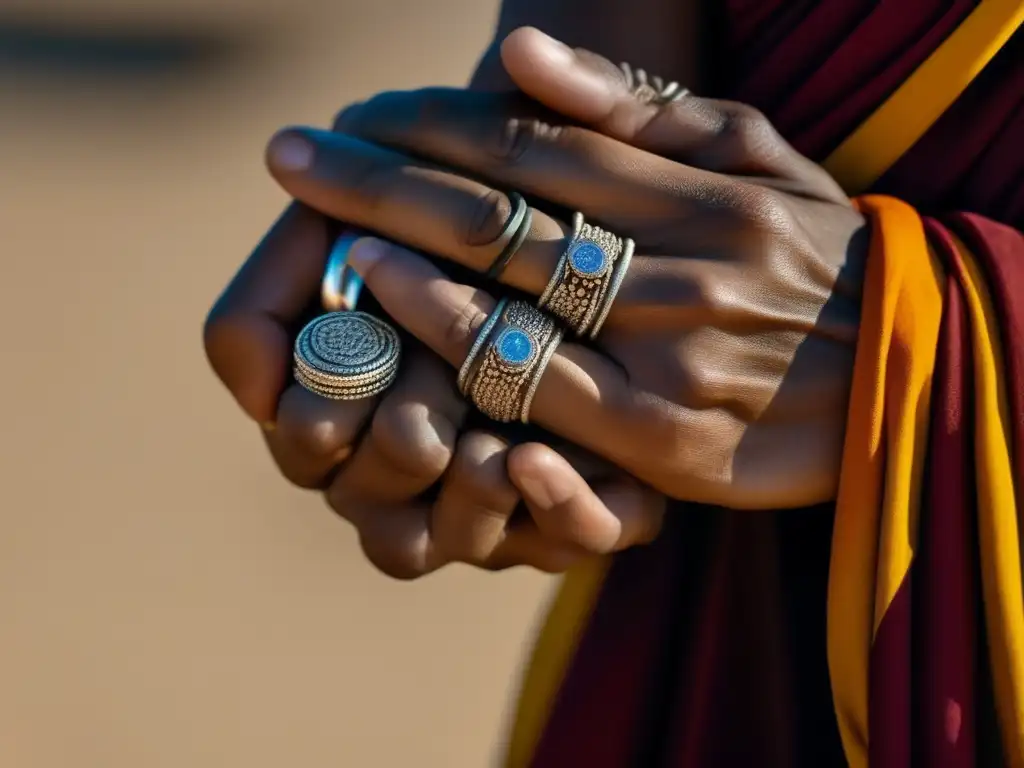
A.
pixel 721 376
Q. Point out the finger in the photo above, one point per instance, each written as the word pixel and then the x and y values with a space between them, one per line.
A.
pixel 459 219
pixel 395 538
pixel 616 514
pixel 410 441
pixel 525 544
pixel 313 435
pixel 471 519
pixel 443 213
pixel 722 136
pixel 582 396
pixel 492 137
pixel 476 500
pixel 469 522
pixel 248 332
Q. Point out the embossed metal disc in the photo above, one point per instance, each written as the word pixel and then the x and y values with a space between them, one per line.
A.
pixel 347 355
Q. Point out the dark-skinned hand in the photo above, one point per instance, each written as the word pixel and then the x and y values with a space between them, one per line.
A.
pixel 723 372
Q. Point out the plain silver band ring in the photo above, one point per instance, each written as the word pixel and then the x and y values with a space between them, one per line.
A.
pixel 513 234
pixel 462 382
pixel 341 286
pixel 621 268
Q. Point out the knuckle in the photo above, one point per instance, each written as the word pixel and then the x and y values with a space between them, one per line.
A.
pixel 315 438
pixel 746 141
pixel 395 541
pixel 413 438
pixel 367 180
pixel 701 379
pixel 316 428
pixel 520 137
pixel 393 559
pixel 381 114
pixel 476 501
pixel 487 219
pixel 714 294
pixel 221 332
pixel 478 469
pixel 764 212
pixel 748 127
pixel 463 326
pixel 707 292
pixel 346 120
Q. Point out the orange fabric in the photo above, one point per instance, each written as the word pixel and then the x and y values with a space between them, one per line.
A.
pixel 884 454
pixel 876 519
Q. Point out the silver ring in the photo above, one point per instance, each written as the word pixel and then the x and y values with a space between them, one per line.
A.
pixel 466 370
pixel 341 286
pixel 346 356
pixel 587 278
pixel 503 370
pixel 513 235
pixel 651 89
pixel 621 268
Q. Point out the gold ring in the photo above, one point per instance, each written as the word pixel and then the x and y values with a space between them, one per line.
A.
pixel 503 369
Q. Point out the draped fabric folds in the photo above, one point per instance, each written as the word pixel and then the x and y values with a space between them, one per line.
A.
pixel 886 630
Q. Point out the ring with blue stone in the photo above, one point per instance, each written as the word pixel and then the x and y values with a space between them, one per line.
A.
pixel 505 364
pixel 586 278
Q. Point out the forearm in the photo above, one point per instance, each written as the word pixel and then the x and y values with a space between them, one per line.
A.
pixel 660 36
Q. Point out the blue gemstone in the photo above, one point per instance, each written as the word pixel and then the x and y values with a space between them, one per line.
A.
pixel 515 346
pixel 588 258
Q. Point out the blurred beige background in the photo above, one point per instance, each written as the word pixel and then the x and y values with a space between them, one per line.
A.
pixel 165 599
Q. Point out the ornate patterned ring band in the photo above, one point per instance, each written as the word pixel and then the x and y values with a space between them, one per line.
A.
pixel 504 367
pixel 345 355
pixel 587 278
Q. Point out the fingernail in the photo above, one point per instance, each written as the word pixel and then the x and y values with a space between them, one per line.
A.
pixel 268 426
pixel 365 252
pixel 290 152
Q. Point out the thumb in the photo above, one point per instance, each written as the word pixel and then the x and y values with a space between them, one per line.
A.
pixel 614 100
pixel 665 119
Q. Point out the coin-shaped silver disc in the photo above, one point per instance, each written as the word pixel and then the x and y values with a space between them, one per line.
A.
pixel 347 355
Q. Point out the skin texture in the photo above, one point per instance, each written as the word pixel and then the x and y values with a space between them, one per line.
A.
pixel 735 275
pixel 408 440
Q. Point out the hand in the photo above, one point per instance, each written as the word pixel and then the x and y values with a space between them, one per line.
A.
pixel 374 458
pixel 724 370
